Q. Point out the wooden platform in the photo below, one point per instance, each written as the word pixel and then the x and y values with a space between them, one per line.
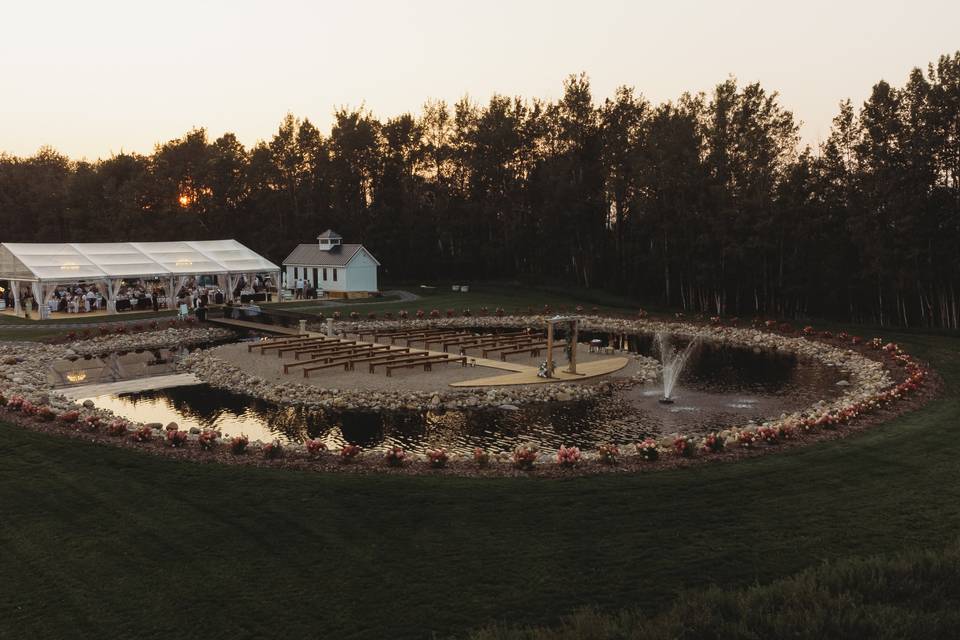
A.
pixel 585 371
pixel 244 324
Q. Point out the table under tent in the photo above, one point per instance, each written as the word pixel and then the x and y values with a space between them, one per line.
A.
pixel 44 267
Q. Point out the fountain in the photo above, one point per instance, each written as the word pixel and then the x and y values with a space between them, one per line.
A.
pixel 673 362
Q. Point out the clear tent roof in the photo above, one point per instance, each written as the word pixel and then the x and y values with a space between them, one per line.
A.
pixel 71 262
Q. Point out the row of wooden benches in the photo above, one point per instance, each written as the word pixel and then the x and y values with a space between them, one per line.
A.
pixel 335 353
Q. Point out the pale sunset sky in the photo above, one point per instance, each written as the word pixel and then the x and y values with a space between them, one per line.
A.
pixel 95 78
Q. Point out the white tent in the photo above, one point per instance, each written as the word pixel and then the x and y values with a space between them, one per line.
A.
pixel 46 265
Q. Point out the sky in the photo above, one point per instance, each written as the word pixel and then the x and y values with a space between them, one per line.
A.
pixel 97 78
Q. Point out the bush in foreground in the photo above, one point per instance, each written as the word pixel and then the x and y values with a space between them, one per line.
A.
pixel 914 595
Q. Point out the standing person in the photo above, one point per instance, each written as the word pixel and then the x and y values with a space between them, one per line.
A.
pixel 155 299
pixel 300 284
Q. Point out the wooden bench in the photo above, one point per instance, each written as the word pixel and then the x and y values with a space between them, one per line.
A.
pixel 316 346
pixel 409 358
pixel 469 338
pixel 427 338
pixel 533 349
pixel 342 360
pixel 281 349
pixel 275 344
pixel 427 363
pixel 349 361
pixel 515 343
pixel 348 352
pixel 262 344
pixel 390 354
pixel 325 348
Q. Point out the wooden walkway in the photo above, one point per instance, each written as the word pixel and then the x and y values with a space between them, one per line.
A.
pixel 245 324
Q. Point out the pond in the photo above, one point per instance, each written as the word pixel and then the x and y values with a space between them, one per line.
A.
pixel 722 386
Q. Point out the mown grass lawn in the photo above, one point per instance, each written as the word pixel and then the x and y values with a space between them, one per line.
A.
pixel 99 542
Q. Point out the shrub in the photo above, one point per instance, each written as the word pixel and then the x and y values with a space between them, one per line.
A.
pixel 117 428
pixel 420 313
pixel 89 424
pixel 272 450
pixel 3 400
pixel 435 313
pixel 481 457
pixel 438 458
pixel 466 312
pixel 747 439
pixel 642 314
pixel 713 443
pixel 337 315
pixel 786 431
pixel 371 316
pixel 176 438
pixel 768 435
pixel 208 439
pixel 684 446
pixel 386 314
pixel 499 312
pixel 403 314
pixel 524 457
pixel 315 447
pixel 451 313
pixel 349 452
pixel 45 414
pixel 69 417
pixel 568 456
pixel 608 453
pixel 143 434
pixel 238 444
pixel 15 403
pixel 395 456
pixel 808 331
pixel 648 450
pixel 354 315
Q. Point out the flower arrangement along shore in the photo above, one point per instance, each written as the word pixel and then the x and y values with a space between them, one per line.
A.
pixel 873 390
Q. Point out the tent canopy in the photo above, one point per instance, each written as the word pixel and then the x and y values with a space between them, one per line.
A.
pixel 72 262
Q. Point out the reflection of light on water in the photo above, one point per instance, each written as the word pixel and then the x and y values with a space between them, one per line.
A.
pixel 676 409
pixel 652 393
pixel 77 376
pixel 740 405
pixel 161 410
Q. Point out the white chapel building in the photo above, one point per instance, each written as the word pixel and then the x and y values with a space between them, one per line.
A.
pixel 333 267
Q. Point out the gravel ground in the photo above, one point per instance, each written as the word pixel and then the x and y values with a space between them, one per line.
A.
pixel 270 368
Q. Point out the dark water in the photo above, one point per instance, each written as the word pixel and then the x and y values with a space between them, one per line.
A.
pixel 721 387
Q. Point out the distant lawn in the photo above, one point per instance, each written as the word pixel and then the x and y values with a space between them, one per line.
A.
pixel 101 542
pixel 510 297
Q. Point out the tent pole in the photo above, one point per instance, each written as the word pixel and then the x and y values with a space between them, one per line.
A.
pixel 17 309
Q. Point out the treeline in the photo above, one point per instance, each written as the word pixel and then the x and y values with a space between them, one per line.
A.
pixel 708 203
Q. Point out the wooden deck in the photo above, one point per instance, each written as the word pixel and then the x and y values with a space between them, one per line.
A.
pixel 244 324
pixel 585 371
